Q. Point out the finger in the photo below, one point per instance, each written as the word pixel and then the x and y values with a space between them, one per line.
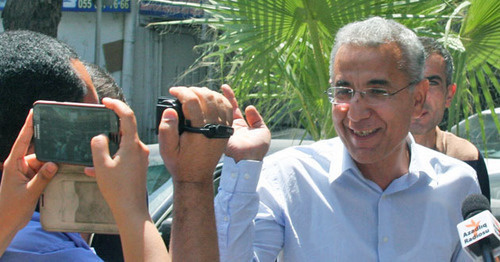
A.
pixel 227 110
pixel 33 163
pixel 23 140
pixel 208 103
pixel 42 178
pixel 229 94
pixel 100 150
pixel 223 109
pixel 175 90
pixel 89 171
pixel 128 125
pixel 192 106
pixel 254 118
pixel 168 134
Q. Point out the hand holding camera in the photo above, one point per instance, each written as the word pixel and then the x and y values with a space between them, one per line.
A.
pixel 187 154
pixel 209 130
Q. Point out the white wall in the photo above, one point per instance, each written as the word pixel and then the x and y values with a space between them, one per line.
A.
pixel 78 30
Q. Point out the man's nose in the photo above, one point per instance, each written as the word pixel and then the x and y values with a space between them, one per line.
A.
pixel 358 108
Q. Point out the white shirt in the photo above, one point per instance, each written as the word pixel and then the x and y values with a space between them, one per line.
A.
pixel 315 205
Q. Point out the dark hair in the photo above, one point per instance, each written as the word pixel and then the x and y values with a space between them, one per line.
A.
pixel 104 83
pixel 432 46
pixel 33 66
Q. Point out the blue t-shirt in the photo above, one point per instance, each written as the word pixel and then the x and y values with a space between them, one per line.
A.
pixel 32 243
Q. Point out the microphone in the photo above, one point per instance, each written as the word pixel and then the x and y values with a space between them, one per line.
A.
pixel 480 231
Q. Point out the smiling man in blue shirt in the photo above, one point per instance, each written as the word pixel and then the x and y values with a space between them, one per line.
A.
pixel 371 194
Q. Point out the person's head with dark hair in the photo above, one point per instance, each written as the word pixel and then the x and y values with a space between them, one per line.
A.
pixel 35 67
pixel 425 128
pixel 439 71
pixel 431 47
pixel 104 83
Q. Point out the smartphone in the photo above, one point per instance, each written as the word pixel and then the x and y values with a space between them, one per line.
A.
pixel 62 131
pixel 72 202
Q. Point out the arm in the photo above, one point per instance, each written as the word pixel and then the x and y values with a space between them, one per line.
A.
pixel 237 204
pixel 191 159
pixel 23 180
pixel 122 181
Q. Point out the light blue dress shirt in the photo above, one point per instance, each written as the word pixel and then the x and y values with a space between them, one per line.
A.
pixel 311 203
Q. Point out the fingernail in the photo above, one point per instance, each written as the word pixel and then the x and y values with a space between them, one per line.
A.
pixel 51 167
pixel 169 115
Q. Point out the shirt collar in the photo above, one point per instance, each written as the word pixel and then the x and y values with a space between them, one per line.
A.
pixel 342 163
pixel 419 159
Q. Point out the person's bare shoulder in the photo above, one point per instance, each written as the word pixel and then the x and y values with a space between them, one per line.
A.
pixel 460 148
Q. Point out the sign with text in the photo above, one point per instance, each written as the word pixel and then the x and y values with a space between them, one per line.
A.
pixel 170 11
pixel 89 6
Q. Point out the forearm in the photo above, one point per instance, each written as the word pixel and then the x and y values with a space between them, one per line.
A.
pixel 7 233
pixel 11 221
pixel 140 239
pixel 236 206
pixel 194 234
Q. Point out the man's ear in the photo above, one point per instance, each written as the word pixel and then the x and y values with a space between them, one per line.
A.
pixel 81 71
pixel 450 93
pixel 419 96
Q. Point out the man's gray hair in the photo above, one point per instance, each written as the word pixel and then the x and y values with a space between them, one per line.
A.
pixel 377 31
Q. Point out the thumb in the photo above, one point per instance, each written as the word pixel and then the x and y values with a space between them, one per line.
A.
pixel 38 183
pixel 168 135
pixel 254 118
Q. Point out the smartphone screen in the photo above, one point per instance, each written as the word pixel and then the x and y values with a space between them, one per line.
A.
pixel 63 131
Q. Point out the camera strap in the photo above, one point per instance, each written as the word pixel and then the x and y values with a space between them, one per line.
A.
pixel 210 130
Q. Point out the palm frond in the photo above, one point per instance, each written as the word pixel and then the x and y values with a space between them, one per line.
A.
pixel 275 54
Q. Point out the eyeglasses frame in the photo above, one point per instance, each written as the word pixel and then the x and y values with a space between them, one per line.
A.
pixel 363 93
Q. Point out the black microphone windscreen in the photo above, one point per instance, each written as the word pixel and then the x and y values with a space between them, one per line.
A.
pixel 474 204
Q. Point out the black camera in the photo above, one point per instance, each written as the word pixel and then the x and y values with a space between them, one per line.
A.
pixel 208 130
pixel 164 103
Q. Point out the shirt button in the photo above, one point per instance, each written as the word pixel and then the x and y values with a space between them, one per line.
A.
pixel 246 176
pixel 386 239
pixel 233 175
pixel 226 218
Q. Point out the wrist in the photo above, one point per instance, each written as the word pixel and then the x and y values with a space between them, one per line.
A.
pixel 11 219
pixel 8 229
pixel 129 208
pixel 252 153
pixel 182 186
pixel 129 215
pixel 198 177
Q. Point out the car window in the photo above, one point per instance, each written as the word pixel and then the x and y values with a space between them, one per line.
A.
pixel 492 137
pixel 159 183
pixel 157 176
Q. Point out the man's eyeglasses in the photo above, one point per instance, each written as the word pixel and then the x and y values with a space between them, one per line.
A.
pixel 373 96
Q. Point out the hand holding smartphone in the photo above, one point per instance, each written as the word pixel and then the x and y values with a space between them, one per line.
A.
pixel 72 201
pixel 62 131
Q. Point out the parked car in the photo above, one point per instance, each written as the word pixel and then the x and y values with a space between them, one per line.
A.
pixel 490 149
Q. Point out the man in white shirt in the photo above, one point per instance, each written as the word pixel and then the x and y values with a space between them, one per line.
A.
pixel 372 194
